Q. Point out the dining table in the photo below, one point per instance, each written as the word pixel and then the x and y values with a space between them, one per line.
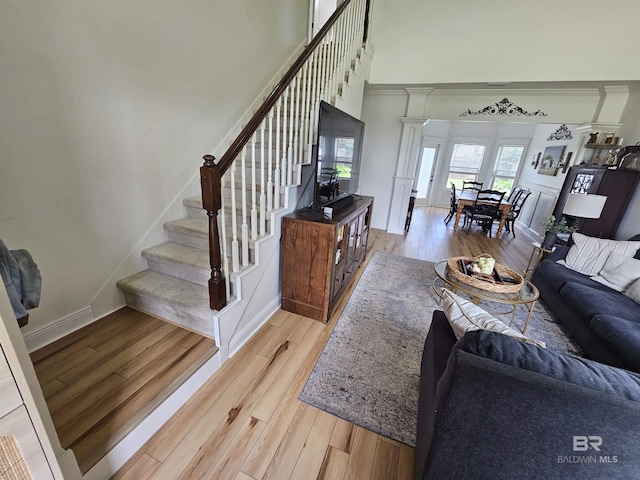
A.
pixel 468 198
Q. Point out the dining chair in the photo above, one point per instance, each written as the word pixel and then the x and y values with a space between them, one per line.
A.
pixel 329 187
pixel 485 210
pixel 453 204
pixel 514 213
pixel 477 186
pixel 514 194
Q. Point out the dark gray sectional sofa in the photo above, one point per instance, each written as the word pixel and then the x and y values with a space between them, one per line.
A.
pixel 604 322
pixel 491 407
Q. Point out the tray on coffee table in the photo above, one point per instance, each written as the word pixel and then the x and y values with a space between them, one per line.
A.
pixel 503 280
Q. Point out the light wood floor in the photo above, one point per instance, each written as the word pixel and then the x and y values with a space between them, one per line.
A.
pixel 247 423
pixel 100 381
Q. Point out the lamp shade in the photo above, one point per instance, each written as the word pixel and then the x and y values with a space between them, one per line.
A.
pixel 584 206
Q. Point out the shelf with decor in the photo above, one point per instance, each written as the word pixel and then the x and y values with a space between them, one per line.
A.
pixel 599 153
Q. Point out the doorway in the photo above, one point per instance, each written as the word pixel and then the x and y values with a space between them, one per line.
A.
pixel 426 167
pixel 319 13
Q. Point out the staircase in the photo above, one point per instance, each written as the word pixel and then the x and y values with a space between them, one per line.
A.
pixel 174 287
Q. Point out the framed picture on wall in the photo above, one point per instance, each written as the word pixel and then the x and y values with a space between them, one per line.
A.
pixel 536 160
pixel 567 162
pixel 550 161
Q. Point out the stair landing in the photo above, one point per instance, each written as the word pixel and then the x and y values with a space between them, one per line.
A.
pixel 101 381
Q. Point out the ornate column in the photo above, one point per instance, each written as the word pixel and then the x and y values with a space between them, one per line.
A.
pixel 408 157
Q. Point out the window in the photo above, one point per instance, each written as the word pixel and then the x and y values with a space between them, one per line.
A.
pixel 506 167
pixel 466 159
pixel 344 156
pixel 341 150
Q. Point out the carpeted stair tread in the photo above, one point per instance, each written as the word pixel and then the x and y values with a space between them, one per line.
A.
pixel 167 288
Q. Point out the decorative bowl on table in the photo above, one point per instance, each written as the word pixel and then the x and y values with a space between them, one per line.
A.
pixel 502 280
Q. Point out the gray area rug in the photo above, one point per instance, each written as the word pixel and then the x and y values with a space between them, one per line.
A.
pixel 369 370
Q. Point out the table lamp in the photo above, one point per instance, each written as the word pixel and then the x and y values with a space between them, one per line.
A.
pixel 581 205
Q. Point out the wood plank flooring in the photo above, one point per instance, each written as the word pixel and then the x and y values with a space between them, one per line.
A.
pixel 100 381
pixel 246 422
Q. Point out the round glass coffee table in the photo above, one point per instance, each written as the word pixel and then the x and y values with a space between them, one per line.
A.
pixel 527 295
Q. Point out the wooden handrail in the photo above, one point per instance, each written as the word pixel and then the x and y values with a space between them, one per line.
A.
pixel 247 132
pixel 211 172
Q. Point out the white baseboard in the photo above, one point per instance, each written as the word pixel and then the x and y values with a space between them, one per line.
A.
pixel 253 326
pixel 121 453
pixel 52 332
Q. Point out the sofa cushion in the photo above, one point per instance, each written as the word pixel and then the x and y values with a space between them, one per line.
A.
pixel 464 317
pixel 633 292
pixel 587 255
pixel 556 275
pixel 618 272
pixel 636 238
pixel 621 335
pixel 588 302
pixel 578 371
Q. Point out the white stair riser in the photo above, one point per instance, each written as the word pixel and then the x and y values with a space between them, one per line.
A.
pixel 199 213
pixel 186 272
pixel 189 240
pixel 188 318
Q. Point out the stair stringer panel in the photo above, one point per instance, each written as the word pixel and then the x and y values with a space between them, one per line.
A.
pixel 258 290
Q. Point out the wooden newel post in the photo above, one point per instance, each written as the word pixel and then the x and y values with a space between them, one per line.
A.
pixel 211 202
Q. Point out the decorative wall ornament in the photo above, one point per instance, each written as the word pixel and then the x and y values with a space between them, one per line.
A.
pixel 504 107
pixel 562 133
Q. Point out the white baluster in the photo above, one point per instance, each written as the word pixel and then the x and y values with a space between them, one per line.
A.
pixel 291 127
pixel 276 173
pixel 313 114
pixel 270 167
pixel 298 120
pixel 322 92
pixel 243 196
pixel 306 85
pixel 263 207
pixel 224 247
pixel 254 189
pixel 354 35
pixel 341 74
pixel 283 169
pixel 332 64
pixel 235 255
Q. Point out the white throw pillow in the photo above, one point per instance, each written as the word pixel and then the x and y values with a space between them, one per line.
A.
pixel 618 272
pixel 465 317
pixel 633 292
pixel 588 255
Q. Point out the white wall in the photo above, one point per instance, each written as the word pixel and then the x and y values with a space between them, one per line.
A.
pixel 433 41
pixel 630 131
pixel 491 134
pixel 107 109
pixel 381 113
pixel 544 188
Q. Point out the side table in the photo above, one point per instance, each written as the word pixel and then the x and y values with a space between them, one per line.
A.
pixel 537 255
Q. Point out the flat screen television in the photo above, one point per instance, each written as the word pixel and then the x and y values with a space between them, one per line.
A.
pixel 334 172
